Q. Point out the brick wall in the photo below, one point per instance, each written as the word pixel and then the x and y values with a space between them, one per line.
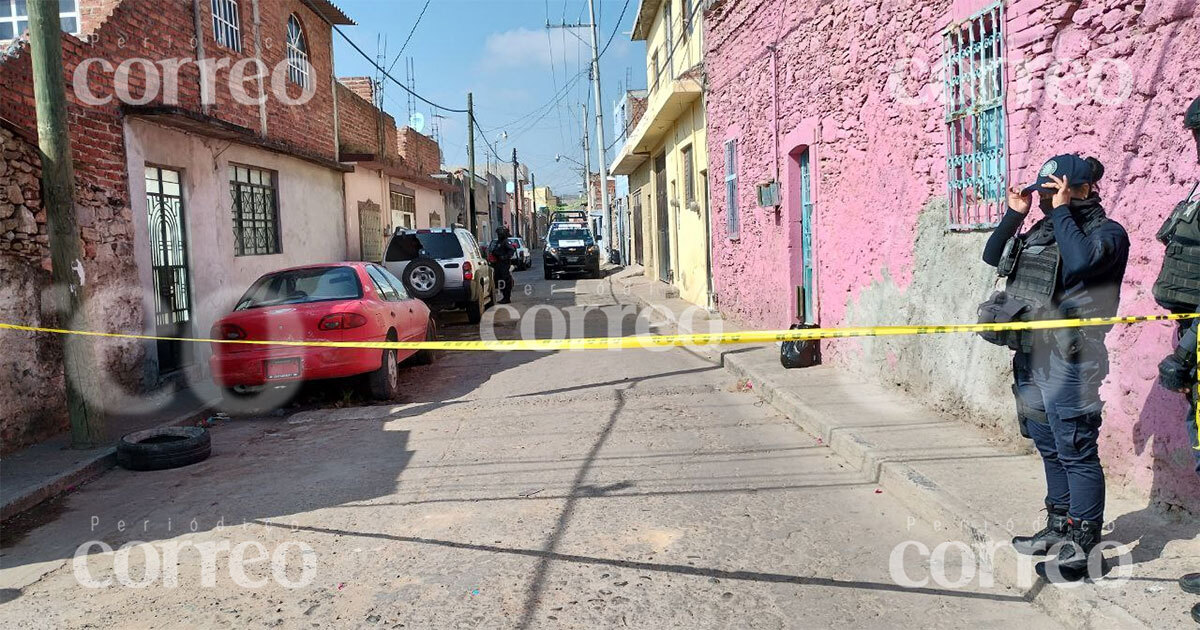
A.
pixel 358 125
pixel 883 254
pixel 155 30
pixel 419 150
pixel 364 87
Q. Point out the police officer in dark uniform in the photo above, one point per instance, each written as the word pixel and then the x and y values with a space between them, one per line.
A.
pixel 501 254
pixel 1178 290
pixel 1070 264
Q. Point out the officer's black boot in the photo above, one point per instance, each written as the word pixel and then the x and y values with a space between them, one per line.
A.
pixel 1190 583
pixel 1071 563
pixel 1196 613
pixel 1056 531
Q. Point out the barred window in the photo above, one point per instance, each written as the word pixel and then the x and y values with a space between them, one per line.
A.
pixel 297 52
pixel 689 176
pixel 14 17
pixel 732 220
pixel 976 147
pixel 255 212
pixel 227 25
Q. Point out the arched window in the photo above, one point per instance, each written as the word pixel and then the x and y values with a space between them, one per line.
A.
pixel 297 52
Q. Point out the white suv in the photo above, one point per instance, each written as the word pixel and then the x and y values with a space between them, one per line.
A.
pixel 443 267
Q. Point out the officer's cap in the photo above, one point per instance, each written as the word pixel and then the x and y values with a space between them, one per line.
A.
pixel 1076 169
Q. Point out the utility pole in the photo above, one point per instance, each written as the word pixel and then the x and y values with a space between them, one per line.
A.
pixel 608 231
pixel 516 220
pixel 58 197
pixel 587 164
pixel 595 77
pixel 531 234
pixel 471 163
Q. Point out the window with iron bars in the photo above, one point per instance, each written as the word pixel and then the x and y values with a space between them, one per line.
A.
pixel 297 52
pixel 227 25
pixel 255 212
pixel 976 133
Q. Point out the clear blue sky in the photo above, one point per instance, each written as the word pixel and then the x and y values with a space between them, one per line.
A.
pixel 501 51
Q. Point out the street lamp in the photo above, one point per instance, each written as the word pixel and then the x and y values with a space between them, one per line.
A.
pixel 560 157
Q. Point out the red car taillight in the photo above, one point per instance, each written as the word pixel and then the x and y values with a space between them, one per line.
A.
pixel 342 321
pixel 468 271
pixel 228 331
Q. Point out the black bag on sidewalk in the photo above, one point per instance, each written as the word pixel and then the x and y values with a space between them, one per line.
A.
pixel 800 354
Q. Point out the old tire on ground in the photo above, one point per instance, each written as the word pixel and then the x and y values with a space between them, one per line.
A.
pixel 163 448
pixel 385 381
pixel 423 277
pixel 426 357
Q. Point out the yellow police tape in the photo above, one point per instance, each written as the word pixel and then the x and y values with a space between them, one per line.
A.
pixel 650 341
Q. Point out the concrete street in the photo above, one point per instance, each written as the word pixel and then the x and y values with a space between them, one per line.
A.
pixel 572 490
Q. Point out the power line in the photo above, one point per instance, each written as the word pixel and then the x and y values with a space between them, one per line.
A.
pixel 410 34
pixel 376 65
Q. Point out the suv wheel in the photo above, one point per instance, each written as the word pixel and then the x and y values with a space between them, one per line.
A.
pixel 549 274
pixel 475 309
pixel 424 278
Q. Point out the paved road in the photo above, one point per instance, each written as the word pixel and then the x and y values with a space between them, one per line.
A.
pixel 572 490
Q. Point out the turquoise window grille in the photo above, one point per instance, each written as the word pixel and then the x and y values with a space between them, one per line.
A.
pixel 976 132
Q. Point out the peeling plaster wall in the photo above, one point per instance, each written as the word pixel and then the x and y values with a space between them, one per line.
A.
pixel 1108 78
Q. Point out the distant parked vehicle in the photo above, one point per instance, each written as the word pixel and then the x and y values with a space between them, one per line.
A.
pixel 524 259
pixel 445 267
pixel 571 248
pixel 354 301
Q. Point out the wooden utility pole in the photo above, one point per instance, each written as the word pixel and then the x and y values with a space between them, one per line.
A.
pixel 474 223
pixel 517 193
pixel 58 198
pixel 531 233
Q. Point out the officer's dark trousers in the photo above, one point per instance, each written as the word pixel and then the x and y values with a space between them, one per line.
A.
pixel 1068 392
pixel 504 281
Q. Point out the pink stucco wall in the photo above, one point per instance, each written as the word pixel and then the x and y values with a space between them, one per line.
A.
pixel 1131 68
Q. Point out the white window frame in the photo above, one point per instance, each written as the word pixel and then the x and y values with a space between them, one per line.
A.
pixel 20 23
pixel 733 223
pixel 227 24
pixel 297 52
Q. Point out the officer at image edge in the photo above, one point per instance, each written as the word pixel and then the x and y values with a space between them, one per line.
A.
pixel 1177 289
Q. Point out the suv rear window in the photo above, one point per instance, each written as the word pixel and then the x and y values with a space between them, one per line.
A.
pixel 301 286
pixel 436 245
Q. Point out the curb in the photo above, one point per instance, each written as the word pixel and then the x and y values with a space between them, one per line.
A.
pixel 84 471
pixel 924 497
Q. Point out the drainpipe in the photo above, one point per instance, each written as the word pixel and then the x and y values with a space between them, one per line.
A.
pixel 262 106
pixel 775 104
pixel 199 51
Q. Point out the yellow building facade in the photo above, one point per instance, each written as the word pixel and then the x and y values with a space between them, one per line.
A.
pixel 665 155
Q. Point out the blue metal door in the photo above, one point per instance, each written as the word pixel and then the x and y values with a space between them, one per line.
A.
pixel 806 240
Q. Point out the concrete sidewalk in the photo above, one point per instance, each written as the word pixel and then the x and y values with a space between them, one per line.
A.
pixel 48 469
pixel 956 476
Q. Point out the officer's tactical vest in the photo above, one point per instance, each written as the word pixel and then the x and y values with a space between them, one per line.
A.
pixel 1031 263
pixel 1178 284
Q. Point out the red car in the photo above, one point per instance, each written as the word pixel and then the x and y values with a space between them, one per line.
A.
pixel 353 301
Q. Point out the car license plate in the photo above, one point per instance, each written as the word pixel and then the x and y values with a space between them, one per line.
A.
pixel 572 259
pixel 283 368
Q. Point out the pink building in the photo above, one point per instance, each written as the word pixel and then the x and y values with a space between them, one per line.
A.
pixel 859 154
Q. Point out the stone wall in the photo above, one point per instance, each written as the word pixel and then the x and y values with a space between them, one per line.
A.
pixel 1108 78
